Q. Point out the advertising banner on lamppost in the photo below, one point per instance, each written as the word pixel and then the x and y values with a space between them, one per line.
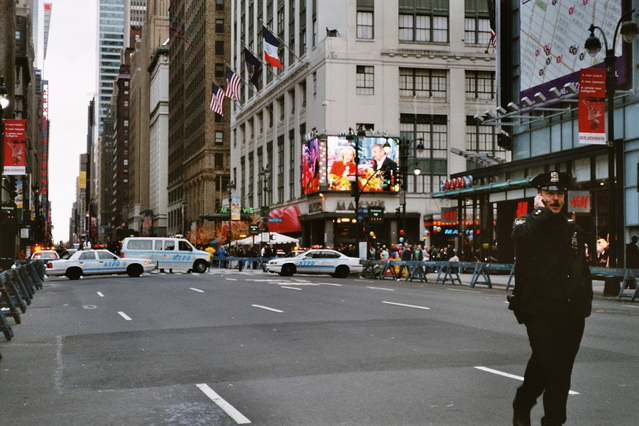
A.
pixel 592 106
pixel 236 211
pixel 15 152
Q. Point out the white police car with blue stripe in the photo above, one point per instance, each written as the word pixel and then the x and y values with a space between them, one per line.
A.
pixel 316 261
pixel 98 262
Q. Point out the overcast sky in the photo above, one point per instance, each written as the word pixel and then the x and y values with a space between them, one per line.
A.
pixel 70 67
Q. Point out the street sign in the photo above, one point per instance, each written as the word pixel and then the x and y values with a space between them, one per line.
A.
pixel 254 230
pixel 275 219
pixel 376 214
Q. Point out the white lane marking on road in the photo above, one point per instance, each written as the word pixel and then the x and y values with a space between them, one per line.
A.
pixel 407 306
pixel 239 418
pixel 196 289
pixel 100 294
pixel 511 376
pixel 57 373
pixel 125 316
pixel 380 288
pixel 267 308
pixel 331 284
pixel 461 291
pixel 290 288
pixel 231 279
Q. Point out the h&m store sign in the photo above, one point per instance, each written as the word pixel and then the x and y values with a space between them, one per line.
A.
pixel 577 202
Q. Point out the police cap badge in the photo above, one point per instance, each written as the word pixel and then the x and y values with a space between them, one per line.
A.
pixel 552 181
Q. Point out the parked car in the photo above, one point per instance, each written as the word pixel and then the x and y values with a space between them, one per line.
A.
pixel 98 262
pixel 316 261
pixel 44 255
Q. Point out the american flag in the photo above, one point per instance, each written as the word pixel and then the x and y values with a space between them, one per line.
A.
pixel 232 85
pixel 217 100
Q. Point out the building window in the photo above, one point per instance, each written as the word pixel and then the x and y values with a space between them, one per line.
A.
pixel 219 70
pixel 219 48
pixel 480 85
pixel 219 26
pixel 433 162
pixel 365 25
pixel 423 21
pixel 483 139
pixel 219 4
pixel 280 170
pixel 365 19
pixel 423 83
pixel 219 161
pixel 314 85
pixel 477 23
pixel 365 81
pixel 280 106
pixel 219 138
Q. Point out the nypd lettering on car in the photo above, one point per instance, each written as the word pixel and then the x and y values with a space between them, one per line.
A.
pixel 317 261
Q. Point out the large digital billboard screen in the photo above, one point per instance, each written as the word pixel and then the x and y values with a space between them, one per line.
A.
pixel 330 164
pixel 552 36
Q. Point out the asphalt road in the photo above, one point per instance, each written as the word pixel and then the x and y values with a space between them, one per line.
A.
pixel 227 348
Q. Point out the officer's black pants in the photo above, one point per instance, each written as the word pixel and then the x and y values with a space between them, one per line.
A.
pixel 555 343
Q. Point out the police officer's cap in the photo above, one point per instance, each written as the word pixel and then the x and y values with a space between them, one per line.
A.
pixel 552 181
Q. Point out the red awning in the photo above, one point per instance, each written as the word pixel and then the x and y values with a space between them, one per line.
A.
pixel 290 220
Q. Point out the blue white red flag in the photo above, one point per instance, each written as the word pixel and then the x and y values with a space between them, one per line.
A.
pixel 271 45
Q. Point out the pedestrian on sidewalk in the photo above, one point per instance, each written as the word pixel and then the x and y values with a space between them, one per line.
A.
pixel 552 298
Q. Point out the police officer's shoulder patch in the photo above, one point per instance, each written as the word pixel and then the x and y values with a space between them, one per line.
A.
pixel 520 221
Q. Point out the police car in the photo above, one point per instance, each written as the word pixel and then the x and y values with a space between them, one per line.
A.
pixel 98 262
pixel 316 261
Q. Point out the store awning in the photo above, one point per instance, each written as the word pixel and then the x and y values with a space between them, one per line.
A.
pixel 484 189
pixel 285 219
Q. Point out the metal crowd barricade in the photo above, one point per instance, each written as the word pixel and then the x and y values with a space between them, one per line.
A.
pixel 630 276
pixel 481 275
pixel 449 271
pixel 421 270
pixel 626 275
pixel 17 288
pixel 373 269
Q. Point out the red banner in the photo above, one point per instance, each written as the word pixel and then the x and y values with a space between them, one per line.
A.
pixel 592 106
pixel 15 148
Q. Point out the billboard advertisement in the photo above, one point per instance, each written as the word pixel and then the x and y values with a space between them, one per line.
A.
pixel 15 150
pixel 552 37
pixel 330 164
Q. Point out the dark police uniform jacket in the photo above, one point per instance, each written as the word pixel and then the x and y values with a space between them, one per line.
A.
pixel 552 277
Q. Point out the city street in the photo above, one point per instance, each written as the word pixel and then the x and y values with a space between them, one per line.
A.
pixel 230 347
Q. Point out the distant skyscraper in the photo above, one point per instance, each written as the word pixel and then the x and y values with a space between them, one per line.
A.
pixel 138 12
pixel 111 21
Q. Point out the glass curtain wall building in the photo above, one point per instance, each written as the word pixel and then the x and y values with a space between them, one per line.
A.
pixel 111 21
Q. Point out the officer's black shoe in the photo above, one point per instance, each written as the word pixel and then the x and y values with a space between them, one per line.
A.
pixel 521 416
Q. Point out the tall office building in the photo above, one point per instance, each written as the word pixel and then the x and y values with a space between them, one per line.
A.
pixel 406 76
pixel 111 22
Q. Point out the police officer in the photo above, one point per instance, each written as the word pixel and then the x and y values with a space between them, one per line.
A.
pixel 552 297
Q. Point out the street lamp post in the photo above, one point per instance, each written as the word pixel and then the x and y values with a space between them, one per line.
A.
pixel 404 155
pixel 628 30
pixel 230 187
pixel 264 175
pixel 355 190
